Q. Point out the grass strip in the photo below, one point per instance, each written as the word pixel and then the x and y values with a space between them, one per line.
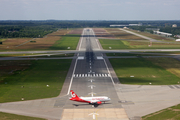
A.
pixel 66 42
pixel 7 116
pixel 132 54
pixel 113 44
pixel 170 64
pixel 172 113
pixel 143 72
pixel 32 83
pixel 122 44
pixel 1 40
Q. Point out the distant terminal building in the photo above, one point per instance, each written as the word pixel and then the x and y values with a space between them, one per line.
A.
pixel 163 33
pixel 126 25
pixel 135 24
pixel 118 25
pixel 174 25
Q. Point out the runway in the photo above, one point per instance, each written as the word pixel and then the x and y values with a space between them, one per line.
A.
pixel 91 77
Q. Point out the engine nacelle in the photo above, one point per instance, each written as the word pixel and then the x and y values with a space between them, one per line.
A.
pixel 99 102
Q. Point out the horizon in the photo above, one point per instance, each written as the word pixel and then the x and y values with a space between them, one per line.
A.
pixel 88 20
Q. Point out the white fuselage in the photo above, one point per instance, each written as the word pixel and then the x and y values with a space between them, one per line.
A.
pixel 101 98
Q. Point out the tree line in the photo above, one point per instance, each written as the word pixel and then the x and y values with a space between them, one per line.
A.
pixel 174 31
pixel 25 31
pixel 20 28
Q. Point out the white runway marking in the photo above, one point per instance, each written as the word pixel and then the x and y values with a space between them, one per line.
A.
pixel 91 80
pixel 109 72
pixel 81 58
pixel 92 86
pixel 72 77
pixel 92 94
pixel 99 57
pixel 94 115
pixel 91 75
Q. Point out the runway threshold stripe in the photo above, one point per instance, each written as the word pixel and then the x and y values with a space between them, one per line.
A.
pixel 91 75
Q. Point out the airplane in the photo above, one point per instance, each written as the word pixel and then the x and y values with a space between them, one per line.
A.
pixel 90 100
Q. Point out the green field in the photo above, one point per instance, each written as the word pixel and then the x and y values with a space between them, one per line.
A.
pixel 122 44
pixel 7 116
pixel 172 113
pixel 40 55
pixel 1 40
pixel 25 83
pixel 65 42
pixel 134 54
pixel 145 71
pixel 114 44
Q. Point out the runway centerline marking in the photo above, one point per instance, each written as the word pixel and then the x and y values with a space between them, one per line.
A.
pixel 91 80
pixel 92 94
pixel 92 86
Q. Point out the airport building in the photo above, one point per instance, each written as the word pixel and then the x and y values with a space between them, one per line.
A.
pixel 163 33
pixel 174 25
pixel 126 25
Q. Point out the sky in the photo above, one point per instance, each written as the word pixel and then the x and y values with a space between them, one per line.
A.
pixel 90 9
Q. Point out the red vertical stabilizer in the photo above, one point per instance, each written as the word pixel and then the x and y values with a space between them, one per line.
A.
pixel 73 95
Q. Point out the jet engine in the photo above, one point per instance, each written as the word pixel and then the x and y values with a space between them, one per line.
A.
pixel 99 102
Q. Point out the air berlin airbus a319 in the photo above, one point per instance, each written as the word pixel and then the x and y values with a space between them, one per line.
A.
pixel 90 100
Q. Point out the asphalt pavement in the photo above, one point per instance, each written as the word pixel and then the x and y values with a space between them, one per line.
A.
pixel 92 77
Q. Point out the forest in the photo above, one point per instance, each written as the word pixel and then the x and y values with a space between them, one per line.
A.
pixel 34 29
pixel 14 31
